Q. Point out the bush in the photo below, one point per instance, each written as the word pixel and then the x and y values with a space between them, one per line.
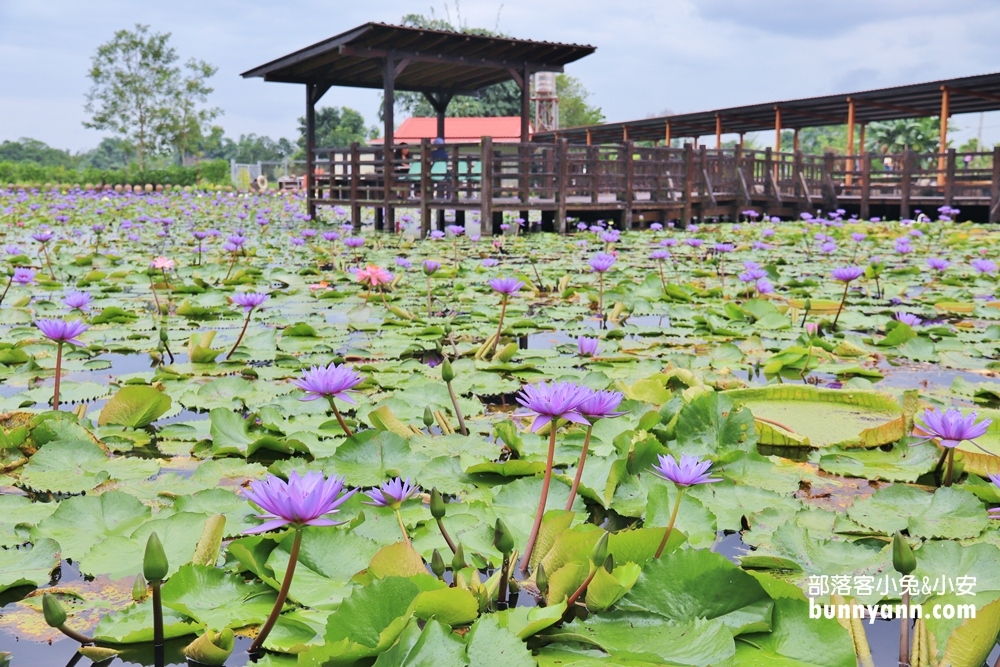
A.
pixel 215 172
pixel 23 173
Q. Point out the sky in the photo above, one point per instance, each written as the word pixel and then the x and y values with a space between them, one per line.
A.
pixel 653 56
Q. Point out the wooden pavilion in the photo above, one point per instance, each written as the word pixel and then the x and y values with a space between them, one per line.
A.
pixel 628 171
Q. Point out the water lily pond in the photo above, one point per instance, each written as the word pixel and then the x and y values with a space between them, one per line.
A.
pixel 726 428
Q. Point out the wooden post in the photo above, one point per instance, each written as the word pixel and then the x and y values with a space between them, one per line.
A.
pixel 688 183
pixel 524 151
pixel 769 167
pixel 629 184
pixel 995 187
pixel 389 101
pixel 797 173
pixel 667 138
pixel 740 144
pixel 486 187
pixel 904 185
pixel 307 181
pixel 795 140
pixel 718 132
pixel 355 186
pixel 777 129
pixel 425 187
pixel 949 177
pixel 562 182
pixel 850 141
pixel 589 138
pixel 624 133
pixel 943 141
pixel 866 182
pixel 593 167
pixel 829 187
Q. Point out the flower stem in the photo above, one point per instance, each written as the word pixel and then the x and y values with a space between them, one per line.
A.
pixel 76 636
pixel 670 526
pixel 48 263
pixel 662 279
pixel 504 576
pixel 242 331
pixel 340 419
pixel 156 299
pixel 571 600
pixel 847 286
pixel 579 469
pixel 157 614
pixel 282 594
pixel 7 288
pixel 600 294
pixel 503 311
pixel 231 265
pixel 904 633
pixel 55 389
pixel 541 501
pixel 950 469
pixel 458 410
pixel 402 528
pixel 446 536
pixel 428 296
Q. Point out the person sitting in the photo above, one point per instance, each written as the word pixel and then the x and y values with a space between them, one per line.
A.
pixel 440 152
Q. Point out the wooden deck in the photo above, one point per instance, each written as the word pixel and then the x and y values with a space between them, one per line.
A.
pixel 640 184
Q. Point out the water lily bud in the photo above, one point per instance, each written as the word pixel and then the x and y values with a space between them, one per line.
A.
pixel 428 417
pixel 163 335
pixel 54 613
pixel 154 562
pixel 903 560
pixel 139 588
pixel 437 504
pixel 609 564
pixel 437 564
pixel 447 372
pixel 502 539
pixel 600 551
pixel 541 580
pixel 458 560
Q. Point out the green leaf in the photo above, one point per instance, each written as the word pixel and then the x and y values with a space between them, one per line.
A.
pixel 83 521
pixel 28 566
pixel 710 423
pixel 396 560
pixel 689 584
pixel 134 406
pixel 434 646
pixel 134 625
pixel 949 513
pixel 900 464
pixel 795 636
pixel 452 606
pixel 490 645
pixel 217 598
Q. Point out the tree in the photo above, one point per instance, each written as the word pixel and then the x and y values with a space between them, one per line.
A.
pixel 573 108
pixel 35 151
pixel 110 154
pixel 336 127
pixel 140 94
pixel 188 119
pixel 920 135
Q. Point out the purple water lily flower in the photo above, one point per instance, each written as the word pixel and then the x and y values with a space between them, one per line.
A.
pixel 937 263
pixel 908 319
pixel 859 236
pixel 490 262
pixel 331 236
pixel 301 501
pixel 586 346
pixel 404 263
pixel 42 237
pixel 689 472
pixel 847 274
pixel 249 300
pixel 994 512
pixel 951 427
pixel 764 286
pixel 354 241
pixel 601 404
pixel 430 266
pixel 62 331
pixel 659 255
pixel 601 262
pixel 552 401
pixel 694 243
pixel 23 276
pixel 506 286
pixel 77 300
pixel 655 227
pixel 984 267
pixel 437 235
pixel 329 382
pixel 752 275
pixel 392 494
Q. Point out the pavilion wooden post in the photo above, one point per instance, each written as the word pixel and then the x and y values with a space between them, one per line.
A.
pixel 589 138
pixel 355 186
pixel 995 187
pixel 524 165
pixel 440 104
pixel 718 132
pixel 629 185
pixel 425 188
pixel 795 140
pixel 667 137
pixel 797 173
pixel 307 180
pixel 848 177
pixel 562 182
pixel 943 141
pixel 866 182
pixel 388 104
pixel 486 187
pixel 949 177
pixel 904 185
pixel 777 129
pixel 688 184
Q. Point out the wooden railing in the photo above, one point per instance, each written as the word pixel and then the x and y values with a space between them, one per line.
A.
pixel 684 182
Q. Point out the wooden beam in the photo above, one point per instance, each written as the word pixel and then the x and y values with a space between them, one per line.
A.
pixel 718 132
pixel 850 138
pixel 943 142
pixel 974 93
pixel 416 56
pixel 525 103
pixel 893 107
pixel 835 120
pixel 624 133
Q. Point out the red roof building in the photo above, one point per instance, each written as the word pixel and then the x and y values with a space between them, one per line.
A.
pixel 503 129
